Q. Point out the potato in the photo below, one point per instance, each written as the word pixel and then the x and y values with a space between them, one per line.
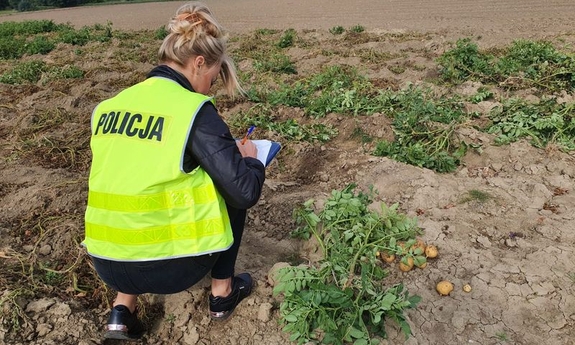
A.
pixel 467 288
pixel 422 265
pixel 431 251
pixel 406 267
pixel 419 244
pixel 444 287
pixel 387 257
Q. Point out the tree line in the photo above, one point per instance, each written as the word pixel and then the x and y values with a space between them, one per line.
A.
pixel 33 5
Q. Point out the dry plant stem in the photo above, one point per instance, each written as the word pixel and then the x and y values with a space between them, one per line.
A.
pixel 63 184
pixel 16 309
pixel 80 256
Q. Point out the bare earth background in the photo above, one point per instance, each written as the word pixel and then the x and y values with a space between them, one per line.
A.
pixel 494 20
pixel 523 287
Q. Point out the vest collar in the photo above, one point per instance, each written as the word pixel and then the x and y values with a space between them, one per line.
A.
pixel 166 71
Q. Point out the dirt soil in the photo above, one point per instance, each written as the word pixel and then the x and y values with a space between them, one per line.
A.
pixel 515 250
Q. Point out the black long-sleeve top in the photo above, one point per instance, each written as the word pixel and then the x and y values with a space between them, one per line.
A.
pixel 211 146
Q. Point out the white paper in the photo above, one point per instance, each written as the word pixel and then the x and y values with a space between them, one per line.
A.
pixel 264 147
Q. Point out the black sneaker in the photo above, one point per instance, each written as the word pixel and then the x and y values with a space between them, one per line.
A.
pixel 124 325
pixel 222 307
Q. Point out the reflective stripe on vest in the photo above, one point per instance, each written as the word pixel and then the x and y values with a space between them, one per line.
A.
pixel 141 205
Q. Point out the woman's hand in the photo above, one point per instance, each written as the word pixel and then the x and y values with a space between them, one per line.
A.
pixel 247 149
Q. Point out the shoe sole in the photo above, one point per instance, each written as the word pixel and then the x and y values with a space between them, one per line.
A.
pixel 223 317
pixel 119 335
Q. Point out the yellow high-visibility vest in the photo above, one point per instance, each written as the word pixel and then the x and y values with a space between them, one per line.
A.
pixel 141 204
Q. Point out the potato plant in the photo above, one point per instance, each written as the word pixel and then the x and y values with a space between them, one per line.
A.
pixel 343 297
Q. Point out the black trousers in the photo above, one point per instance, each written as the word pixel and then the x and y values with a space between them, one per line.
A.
pixel 172 275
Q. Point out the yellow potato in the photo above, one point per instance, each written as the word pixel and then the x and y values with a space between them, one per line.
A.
pixel 431 251
pixel 444 287
pixel 406 267
pixel 419 244
pixel 422 265
pixel 389 258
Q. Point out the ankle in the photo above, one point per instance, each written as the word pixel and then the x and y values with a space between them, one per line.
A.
pixel 221 287
pixel 128 301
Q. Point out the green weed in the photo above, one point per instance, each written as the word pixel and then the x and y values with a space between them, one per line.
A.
pixel 265 32
pixel 275 63
pixel 294 96
pixel 263 48
pixel 465 62
pixel 424 130
pixel 357 29
pixel 67 72
pixel 53 278
pixel 547 122
pixel 134 50
pixel 82 36
pixel 170 318
pixel 11 47
pixel 39 45
pixel 257 45
pixel 481 95
pixel 16 47
pixel 28 71
pixel 523 64
pixel 501 336
pixel 29 27
pixel 337 30
pixel 41 37
pixel 424 126
pixel 287 39
pixel 75 37
pixel 339 89
pixel 161 33
pixel 289 130
pixel 360 134
pixel 343 298
pixel 476 195
pixel 34 70
pixel 101 33
pixel 397 69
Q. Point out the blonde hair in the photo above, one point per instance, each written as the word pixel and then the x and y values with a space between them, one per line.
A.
pixel 192 32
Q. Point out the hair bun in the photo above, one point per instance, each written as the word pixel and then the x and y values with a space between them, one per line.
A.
pixel 192 18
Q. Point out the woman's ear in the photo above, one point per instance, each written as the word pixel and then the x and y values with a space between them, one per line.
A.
pixel 199 61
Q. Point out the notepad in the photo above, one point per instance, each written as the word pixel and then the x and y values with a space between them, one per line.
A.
pixel 267 150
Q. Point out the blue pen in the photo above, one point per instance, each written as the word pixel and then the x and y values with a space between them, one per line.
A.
pixel 248 134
